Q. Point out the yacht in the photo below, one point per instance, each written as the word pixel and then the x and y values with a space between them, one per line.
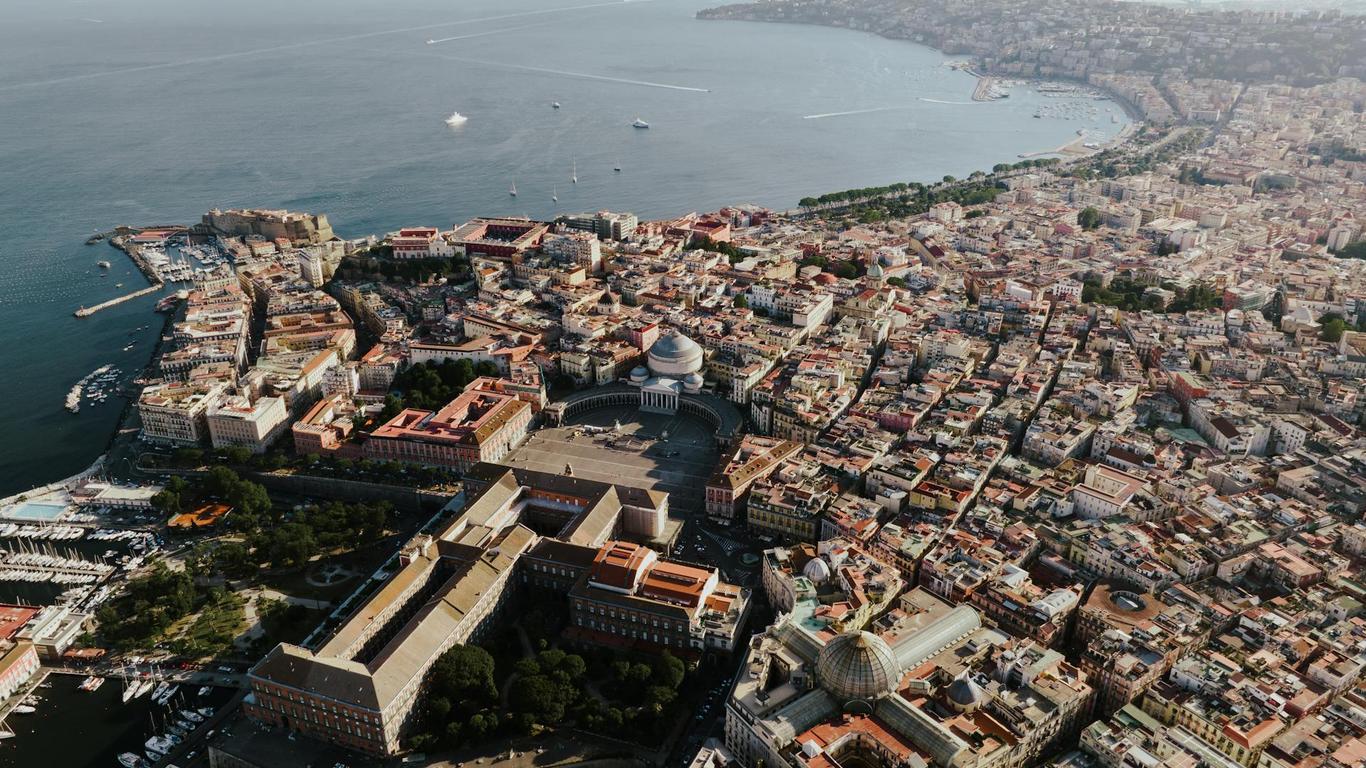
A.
pixel 513 191
pixel 554 195
pixel 104 264
pixel 129 760
pixel 640 124
pixel 554 105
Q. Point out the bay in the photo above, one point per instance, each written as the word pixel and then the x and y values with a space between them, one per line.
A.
pixel 153 111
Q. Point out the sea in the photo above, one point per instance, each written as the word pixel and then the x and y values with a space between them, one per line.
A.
pixel 143 112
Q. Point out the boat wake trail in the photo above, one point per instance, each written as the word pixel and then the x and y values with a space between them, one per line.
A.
pixel 956 103
pixel 473 35
pixel 824 115
pixel 565 72
pixel 300 46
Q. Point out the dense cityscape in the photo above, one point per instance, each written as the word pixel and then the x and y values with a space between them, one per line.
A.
pixel 1058 464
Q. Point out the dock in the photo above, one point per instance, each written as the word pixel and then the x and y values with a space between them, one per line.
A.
pixel 88 311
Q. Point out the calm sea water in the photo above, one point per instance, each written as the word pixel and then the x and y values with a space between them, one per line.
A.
pixel 151 111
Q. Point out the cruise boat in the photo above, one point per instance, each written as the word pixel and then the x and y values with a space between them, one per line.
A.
pixel 640 124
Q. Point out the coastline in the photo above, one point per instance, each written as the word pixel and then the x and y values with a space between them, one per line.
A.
pixel 970 64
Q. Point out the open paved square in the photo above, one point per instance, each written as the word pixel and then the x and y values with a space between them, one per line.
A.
pixel 623 445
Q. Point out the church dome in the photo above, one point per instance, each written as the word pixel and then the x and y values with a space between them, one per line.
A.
pixel 639 374
pixel 965 695
pixel 693 382
pixel 817 571
pixel 674 355
pixel 857 665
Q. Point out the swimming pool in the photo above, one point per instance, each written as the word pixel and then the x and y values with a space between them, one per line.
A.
pixel 36 510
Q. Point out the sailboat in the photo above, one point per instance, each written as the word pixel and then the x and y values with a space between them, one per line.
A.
pixel 130 687
pixel 513 191
pixel 574 174
pixel 617 167
pixel 554 195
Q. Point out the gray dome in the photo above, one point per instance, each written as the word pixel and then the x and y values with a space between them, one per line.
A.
pixel 674 354
pixel 966 695
pixel 857 665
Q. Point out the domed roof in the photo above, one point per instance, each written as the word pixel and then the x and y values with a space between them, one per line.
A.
pixel 607 297
pixel 966 695
pixel 674 346
pixel 857 665
pixel 816 570
pixel 674 355
pixel 694 378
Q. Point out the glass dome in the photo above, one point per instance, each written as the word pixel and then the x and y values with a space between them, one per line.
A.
pixel 857 665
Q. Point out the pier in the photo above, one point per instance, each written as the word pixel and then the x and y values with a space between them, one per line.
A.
pixel 88 311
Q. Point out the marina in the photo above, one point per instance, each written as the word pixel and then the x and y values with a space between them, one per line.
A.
pixel 97 727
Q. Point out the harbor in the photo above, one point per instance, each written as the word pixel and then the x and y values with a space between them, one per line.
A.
pixel 79 724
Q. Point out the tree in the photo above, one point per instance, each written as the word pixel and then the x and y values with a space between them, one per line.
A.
pixel 1089 218
pixel 1331 327
pixel 465 673
pixel 669 671
pixel 741 301
pixel 166 502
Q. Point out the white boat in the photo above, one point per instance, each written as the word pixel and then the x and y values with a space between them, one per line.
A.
pixel 640 124
pixel 554 195
pixel 160 691
pixel 554 105
pixel 129 760
pixel 104 265
pixel 144 686
pixel 165 697
pixel 192 716
pixel 574 174
pixel 204 691
pixel 513 191
pixel 25 709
